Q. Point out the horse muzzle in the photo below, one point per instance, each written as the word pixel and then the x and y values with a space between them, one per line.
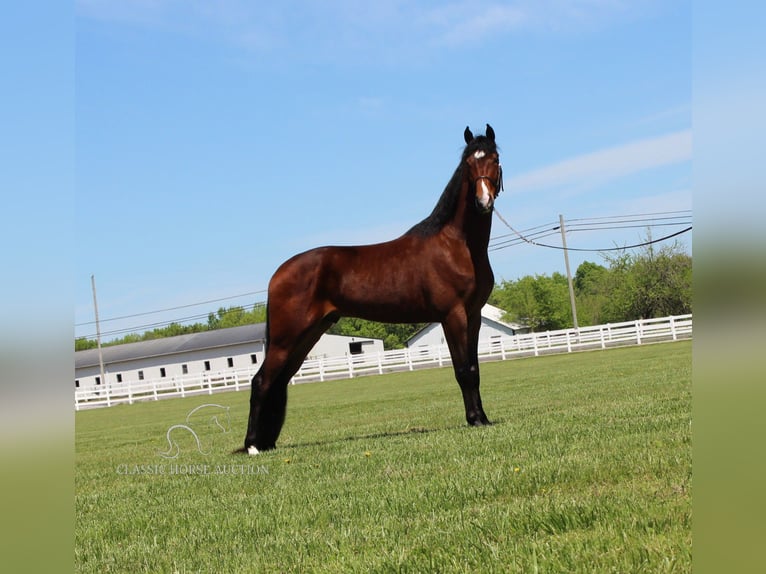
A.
pixel 484 208
pixel 484 197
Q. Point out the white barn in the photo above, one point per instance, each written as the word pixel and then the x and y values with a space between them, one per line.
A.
pixel 196 353
pixel 492 327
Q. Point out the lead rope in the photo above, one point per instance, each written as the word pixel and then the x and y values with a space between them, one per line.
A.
pixel 508 225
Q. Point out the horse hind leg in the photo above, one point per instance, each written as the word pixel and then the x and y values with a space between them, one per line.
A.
pixel 268 396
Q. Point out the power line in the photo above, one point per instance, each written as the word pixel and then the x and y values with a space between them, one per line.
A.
pixel 645 222
pixel 159 324
pixel 522 239
pixel 538 244
pixel 172 308
pixel 689 211
pixel 545 226
pixel 673 224
pixel 601 223
pixel 620 248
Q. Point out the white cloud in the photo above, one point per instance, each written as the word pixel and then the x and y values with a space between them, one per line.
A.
pixel 608 164
pixel 467 22
pixel 342 27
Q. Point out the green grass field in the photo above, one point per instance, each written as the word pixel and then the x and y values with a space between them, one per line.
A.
pixel 587 469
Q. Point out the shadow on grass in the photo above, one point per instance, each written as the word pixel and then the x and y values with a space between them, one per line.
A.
pixel 387 434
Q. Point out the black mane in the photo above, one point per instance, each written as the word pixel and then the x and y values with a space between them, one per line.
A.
pixel 445 207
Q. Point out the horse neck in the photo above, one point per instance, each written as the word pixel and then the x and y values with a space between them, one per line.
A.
pixel 470 225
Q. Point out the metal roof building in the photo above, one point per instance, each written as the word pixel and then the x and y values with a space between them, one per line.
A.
pixel 194 354
pixel 192 342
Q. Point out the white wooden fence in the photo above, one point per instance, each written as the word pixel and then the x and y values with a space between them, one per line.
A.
pixel 349 366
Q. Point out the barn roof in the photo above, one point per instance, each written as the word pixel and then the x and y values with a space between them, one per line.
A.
pixel 171 345
pixel 496 314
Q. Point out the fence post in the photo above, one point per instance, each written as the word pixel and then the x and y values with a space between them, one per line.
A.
pixel 350 361
pixel 673 328
pixel 569 344
pixel 380 362
pixel 408 357
pixel 638 332
pixel 601 336
pixel 534 344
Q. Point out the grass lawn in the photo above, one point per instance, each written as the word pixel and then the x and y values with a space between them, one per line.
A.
pixel 586 469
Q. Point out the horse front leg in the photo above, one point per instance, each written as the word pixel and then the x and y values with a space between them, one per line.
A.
pixel 462 334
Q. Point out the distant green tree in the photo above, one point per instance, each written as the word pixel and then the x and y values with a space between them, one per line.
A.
pixel 541 302
pixel 83 344
pixel 590 283
pixel 651 283
pixel 236 317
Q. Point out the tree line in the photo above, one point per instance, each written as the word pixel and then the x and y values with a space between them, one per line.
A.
pixel 643 285
pixel 638 285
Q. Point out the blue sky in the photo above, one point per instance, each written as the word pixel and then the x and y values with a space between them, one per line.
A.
pixel 214 140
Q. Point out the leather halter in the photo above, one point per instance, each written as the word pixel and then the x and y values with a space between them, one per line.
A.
pixel 498 183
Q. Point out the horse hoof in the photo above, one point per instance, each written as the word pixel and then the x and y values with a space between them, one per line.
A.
pixel 252 451
pixel 480 423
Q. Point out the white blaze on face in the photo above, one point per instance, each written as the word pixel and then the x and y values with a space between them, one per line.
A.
pixel 484 197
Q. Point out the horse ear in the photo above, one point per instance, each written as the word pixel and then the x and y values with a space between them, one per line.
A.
pixel 467 135
pixel 490 133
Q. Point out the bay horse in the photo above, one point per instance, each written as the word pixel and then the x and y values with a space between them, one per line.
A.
pixel 437 272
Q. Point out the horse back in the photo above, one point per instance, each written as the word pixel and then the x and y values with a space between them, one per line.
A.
pixel 409 280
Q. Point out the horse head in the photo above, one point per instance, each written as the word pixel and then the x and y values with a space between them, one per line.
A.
pixel 485 174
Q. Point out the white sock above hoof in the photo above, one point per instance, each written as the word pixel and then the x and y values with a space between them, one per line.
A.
pixel 252 451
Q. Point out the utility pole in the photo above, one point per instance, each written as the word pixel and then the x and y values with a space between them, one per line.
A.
pixel 98 339
pixel 569 273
